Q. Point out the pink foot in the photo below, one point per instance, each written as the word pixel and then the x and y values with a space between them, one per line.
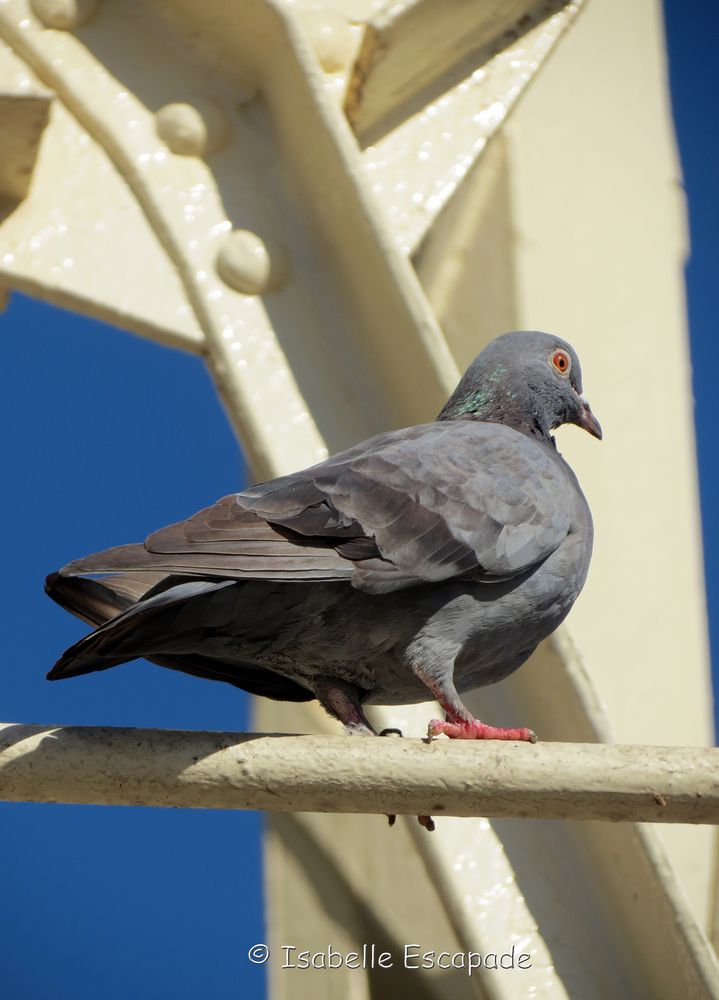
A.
pixel 473 729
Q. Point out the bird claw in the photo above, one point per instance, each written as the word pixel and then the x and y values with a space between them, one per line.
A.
pixel 473 729
pixel 426 821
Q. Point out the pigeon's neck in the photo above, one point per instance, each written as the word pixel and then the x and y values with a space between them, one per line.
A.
pixel 497 403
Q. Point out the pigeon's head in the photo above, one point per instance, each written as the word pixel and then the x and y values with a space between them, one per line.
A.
pixel 528 380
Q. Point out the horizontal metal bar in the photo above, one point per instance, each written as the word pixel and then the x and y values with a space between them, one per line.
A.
pixel 355 775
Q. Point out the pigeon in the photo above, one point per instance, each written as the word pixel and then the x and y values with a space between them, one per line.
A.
pixel 422 563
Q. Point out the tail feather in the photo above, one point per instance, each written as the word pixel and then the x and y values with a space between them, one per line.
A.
pixel 130 631
pixel 100 602
pixel 96 601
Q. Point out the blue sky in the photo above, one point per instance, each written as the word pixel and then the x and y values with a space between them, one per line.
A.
pixel 692 31
pixel 107 436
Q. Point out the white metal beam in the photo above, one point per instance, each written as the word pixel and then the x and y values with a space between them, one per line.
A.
pixel 416 50
pixel 152 767
pixel 23 117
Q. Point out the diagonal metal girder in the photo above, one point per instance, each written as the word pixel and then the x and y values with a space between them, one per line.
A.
pixel 413 52
pixel 23 117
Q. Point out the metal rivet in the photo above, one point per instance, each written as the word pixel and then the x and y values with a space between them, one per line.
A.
pixel 192 128
pixel 332 39
pixel 250 265
pixel 63 14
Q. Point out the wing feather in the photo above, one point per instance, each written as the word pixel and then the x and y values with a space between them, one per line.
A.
pixel 427 503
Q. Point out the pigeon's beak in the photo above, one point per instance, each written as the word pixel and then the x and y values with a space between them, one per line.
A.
pixel 588 421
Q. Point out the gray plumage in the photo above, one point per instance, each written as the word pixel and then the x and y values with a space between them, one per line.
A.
pixel 423 562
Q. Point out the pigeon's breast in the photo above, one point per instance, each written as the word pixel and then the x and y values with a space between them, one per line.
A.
pixel 482 632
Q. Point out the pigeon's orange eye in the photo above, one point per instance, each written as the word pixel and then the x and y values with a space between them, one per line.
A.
pixel 561 361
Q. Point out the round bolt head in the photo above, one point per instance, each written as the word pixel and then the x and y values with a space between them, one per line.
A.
pixel 250 265
pixel 332 38
pixel 192 128
pixel 63 15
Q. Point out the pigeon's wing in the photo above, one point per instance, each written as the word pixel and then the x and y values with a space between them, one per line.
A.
pixel 434 502
pixel 424 504
pixel 225 541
